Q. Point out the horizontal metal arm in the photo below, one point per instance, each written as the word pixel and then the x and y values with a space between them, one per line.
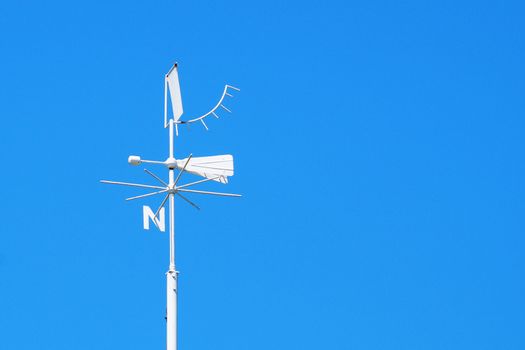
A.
pixel 130 184
pixel 198 182
pixel 212 193
pixel 146 195
pixel 152 161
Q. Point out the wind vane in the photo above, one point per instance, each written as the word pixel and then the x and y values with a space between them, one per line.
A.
pixel 213 168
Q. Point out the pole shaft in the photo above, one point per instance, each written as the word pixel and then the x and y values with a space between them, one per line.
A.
pixel 172 228
pixel 171 309
pixel 171 138
pixel 172 205
pixel 171 275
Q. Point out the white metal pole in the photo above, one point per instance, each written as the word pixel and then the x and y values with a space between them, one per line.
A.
pixel 171 275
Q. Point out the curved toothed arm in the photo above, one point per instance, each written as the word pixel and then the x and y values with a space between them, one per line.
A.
pixel 227 92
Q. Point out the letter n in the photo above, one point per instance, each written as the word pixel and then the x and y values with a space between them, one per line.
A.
pixel 159 221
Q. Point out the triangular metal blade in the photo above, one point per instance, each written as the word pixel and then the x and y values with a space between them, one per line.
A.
pixel 172 79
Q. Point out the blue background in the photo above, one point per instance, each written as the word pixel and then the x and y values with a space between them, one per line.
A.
pixel 379 147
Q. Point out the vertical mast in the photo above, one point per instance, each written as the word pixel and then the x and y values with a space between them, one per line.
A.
pixel 171 83
pixel 172 218
pixel 171 275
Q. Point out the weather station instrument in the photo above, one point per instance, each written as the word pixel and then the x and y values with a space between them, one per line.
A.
pixel 212 168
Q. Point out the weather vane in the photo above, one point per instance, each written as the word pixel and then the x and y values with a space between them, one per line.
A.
pixel 214 168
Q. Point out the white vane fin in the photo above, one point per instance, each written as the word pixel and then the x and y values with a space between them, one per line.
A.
pixel 172 84
pixel 214 167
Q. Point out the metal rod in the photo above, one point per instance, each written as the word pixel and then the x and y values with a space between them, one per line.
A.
pixel 198 182
pixel 146 195
pixel 151 161
pixel 203 123
pixel 233 87
pixel 156 177
pixel 171 292
pixel 171 138
pixel 161 205
pixel 213 193
pixel 130 184
pixel 172 276
pixel 182 170
pixel 226 108
pixel 171 309
pixel 190 202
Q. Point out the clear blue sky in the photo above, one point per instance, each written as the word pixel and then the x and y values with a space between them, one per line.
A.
pixel 379 147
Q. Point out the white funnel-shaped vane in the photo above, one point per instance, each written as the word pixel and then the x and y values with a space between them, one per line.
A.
pixel 217 168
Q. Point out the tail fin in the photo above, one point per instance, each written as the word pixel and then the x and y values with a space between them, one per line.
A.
pixel 212 167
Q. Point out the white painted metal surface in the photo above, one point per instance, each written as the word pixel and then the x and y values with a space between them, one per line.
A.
pixel 172 83
pixel 171 310
pixel 212 168
pixel 216 168
pixel 213 112
pixel 134 160
pixel 159 220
